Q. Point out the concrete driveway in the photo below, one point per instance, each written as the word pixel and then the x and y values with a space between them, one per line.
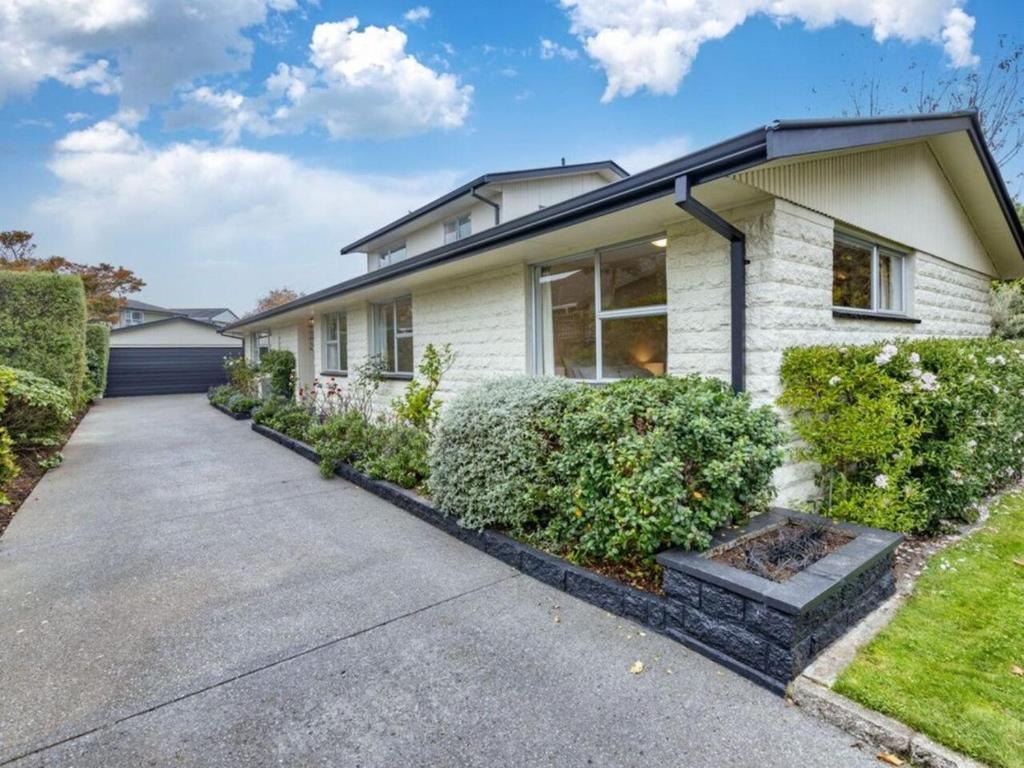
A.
pixel 185 592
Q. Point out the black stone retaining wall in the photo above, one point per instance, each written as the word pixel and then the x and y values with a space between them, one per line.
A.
pixel 232 414
pixel 758 640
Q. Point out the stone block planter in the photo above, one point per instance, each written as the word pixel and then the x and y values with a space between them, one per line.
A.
pixel 777 628
pixel 233 415
pixel 731 616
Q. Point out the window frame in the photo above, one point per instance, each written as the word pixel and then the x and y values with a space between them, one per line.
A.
pixel 385 256
pixel 380 332
pixel 653 310
pixel 257 347
pixel 457 221
pixel 341 341
pixel 901 261
pixel 134 317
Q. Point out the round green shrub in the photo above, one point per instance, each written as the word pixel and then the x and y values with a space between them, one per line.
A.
pixel 240 403
pixel 489 463
pixel 37 410
pixel 648 464
pixel 342 439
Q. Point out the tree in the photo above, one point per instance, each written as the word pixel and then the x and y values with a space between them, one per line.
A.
pixel 275 298
pixel 106 286
pixel 996 92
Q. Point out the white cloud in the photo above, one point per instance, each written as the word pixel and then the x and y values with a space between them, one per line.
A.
pixel 549 49
pixel 652 45
pixel 76 117
pixel 417 15
pixel 360 83
pixel 643 156
pixel 205 226
pixel 140 48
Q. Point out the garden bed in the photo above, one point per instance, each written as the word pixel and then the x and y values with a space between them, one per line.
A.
pixel 860 570
pixel 236 416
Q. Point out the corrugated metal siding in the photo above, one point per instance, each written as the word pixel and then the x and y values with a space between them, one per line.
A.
pixel 898 193
pixel 166 370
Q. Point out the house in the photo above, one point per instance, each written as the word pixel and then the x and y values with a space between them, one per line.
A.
pixel 138 312
pixel 158 350
pixel 794 233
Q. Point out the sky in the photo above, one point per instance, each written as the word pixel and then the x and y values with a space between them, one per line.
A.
pixel 221 148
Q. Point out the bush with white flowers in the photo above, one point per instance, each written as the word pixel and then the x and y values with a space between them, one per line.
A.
pixel 908 433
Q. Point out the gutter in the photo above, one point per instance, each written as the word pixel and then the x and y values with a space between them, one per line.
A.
pixel 497 208
pixel 737 275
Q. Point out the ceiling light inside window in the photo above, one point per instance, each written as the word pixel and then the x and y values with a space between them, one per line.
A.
pixel 661 242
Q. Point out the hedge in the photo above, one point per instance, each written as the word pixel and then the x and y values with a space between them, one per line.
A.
pixel 37 410
pixel 8 469
pixel 42 327
pixel 614 473
pixel 908 433
pixel 97 356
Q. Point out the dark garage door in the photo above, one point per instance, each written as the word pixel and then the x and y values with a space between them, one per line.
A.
pixel 166 370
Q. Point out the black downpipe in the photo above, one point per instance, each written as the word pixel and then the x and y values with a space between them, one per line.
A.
pixel 737 275
pixel 494 205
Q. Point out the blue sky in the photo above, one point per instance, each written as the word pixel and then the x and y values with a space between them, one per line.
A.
pixel 138 133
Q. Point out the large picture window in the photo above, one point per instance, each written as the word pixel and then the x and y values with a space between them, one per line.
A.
pixel 867 276
pixel 393 334
pixel 335 342
pixel 603 315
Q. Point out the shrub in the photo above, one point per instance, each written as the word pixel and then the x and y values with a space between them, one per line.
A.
pixel 241 374
pixel 279 364
pixel 286 416
pixel 42 327
pixel 648 464
pixel 8 469
pixel 342 439
pixel 911 433
pixel 489 464
pixel 1008 310
pixel 97 355
pixel 37 410
pixel 395 452
pixel 220 395
pixel 241 403
pixel 418 406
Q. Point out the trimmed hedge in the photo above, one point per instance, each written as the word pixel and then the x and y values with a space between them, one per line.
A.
pixel 909 433
pixel 97 356
pixel 42 327
pixel 489 464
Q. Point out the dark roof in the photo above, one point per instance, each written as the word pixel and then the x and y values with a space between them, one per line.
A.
pixel 778 140
pixel 172 319
pixel 488 178
pixel 136 304
pixel 200 312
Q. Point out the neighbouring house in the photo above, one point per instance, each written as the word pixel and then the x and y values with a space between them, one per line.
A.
pixel 797 232
pixel 158 350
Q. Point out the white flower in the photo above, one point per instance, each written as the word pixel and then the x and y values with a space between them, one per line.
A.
pixel 915 358
pixel 890 350
pixel 915 373
pixel 996 389
pixel 907 387
pixel 972 444
pixel 882 359
pixel 990 360
pixel 844 350
pixel 833 381
pixel 881 481
pixel 929 382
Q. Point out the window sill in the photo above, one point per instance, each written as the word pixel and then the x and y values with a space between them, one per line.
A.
pixel 864 314
pixel 335 374
pixel 397 376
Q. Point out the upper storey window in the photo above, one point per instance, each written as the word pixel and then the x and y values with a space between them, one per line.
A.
pixel 392 255
pixel 457 229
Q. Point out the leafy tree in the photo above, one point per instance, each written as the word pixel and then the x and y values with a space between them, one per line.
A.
pixel 106 286
pixel 275 298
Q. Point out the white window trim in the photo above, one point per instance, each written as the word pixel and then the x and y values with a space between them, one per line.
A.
pixel 134 317
pixel 380 333
pixel 340 342
pixel 900 258
pixel 256 336
pixel 458 229
pixel 539 326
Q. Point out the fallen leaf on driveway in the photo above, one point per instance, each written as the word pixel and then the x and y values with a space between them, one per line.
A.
pixel 1017 671
pixel 885 757
pixel 637 668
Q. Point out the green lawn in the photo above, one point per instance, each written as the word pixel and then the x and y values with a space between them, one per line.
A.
pixel 946 664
